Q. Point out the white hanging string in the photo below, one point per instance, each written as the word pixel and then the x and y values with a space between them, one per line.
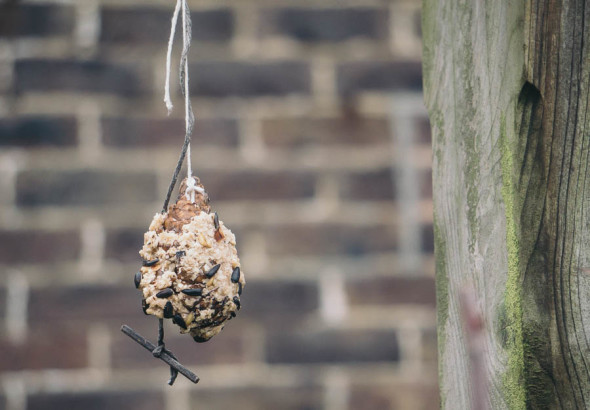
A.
pixel 189 119
pixel 167 99
pixel 186 34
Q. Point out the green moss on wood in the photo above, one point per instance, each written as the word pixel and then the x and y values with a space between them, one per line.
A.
pixel 442 295
pixel 513 379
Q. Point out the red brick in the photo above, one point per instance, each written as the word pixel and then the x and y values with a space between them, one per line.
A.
pixel 260 398
pixel 35 20
pixel 418 23
pixel 312 239
pixel 269 302
pixel 332 346
pixel 430 346
pixel 302 132
pixel 391 290
pixel 97 400
pixel 381 184
pixel 38 246
pixel 426 184
pixel 373 396
pixel 245 79
pixel 258 185
pixel 124 244
pixel 83 187
pixel 372 185
pixel 424 131
pixel 380 76
pixel 141 24
pixel 85 304
pixel 2 302
pixel 148 132
pixel 37 131
pixel 73 75
pixel 330 25
pixel 427 233
pixel 54 347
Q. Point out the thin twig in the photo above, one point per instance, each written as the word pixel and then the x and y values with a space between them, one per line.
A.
pixel 165 355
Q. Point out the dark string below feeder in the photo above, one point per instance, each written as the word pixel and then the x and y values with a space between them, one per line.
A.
pixel 160 351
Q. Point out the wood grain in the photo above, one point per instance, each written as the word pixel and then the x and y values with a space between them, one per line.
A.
pixel 506 86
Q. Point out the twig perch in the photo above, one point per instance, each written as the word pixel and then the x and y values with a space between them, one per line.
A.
pixel 162 354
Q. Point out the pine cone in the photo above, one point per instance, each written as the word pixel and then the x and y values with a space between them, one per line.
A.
pixel 191 271
pixel 180 213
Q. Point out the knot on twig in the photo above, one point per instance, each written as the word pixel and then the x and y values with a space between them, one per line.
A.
pixel 157 352
pixel 163 354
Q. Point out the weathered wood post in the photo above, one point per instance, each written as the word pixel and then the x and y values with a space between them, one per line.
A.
pixel 507 89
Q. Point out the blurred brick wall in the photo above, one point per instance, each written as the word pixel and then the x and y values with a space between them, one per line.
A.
pixel 313 143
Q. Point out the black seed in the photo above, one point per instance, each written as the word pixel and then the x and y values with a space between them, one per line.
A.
pixel 200 339
pixel 150 263
pixel 216 220
pixel 168 310
pixel 239 288
pixel 193 292
pixel 137 279
pixel 180 254
pixel 232 314
pixel 179 321
pixel 145 306
pixel 235 275
pixel 213 270
pixel 237 302
pixel 165 293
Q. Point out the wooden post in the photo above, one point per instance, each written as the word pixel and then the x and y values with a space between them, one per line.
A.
pixel 507 88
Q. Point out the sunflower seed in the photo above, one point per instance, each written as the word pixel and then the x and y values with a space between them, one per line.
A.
pixel 213 270
pixel 180 254
pixel 235 275
pixel 177 319
pixel 150 263
pixel 168 310
pixel 232 314
pixel 239 288
pixel 193 292
pixel 189 318
pixel 165 293
pixel 216 220
pixel 144 306
pixel 237 302
pixel 203 241
pixel 137 279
